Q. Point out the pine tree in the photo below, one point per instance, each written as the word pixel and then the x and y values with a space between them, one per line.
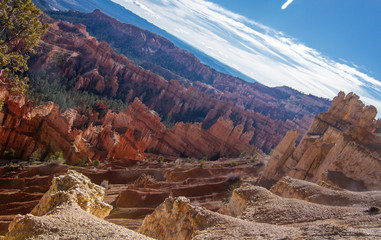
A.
pixel 20 31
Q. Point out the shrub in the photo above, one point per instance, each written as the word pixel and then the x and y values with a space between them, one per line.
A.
pixel 234 164
pixel 8 154
pixel 35 156
pixel 192 159
pixel 243 154
pixel 96 163
pixel 1 105
pixel 55 158
pixel 160 159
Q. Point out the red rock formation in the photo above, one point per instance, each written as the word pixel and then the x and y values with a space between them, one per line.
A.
pixel 99 69
pixel 341 147
pixel 40 130
pixel 222 139
pixel 29 129
pixel 171 62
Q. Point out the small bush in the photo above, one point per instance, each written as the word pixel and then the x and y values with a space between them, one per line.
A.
pixel 96 163
pixel 35 156
pixel 8 154
pixel 160 159
pixel 204 159
pixel 202 165
pixel 234 164
pixel 55 158
pixel 243 154
pixel 189 160
pixel 255 156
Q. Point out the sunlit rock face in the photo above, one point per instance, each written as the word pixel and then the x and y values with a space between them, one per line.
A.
pixel 341 147
pixel 73 188
pixel 72 208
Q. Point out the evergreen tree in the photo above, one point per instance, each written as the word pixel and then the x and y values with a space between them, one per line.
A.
pixel 20 31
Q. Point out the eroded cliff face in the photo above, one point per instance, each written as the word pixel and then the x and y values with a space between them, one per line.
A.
pixel 36 131
pixel 159 55
pixel 342 146
pixel 185 139
pixel 97 68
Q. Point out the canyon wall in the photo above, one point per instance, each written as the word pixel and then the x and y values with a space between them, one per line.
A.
pixel 98 69
pixel 32 130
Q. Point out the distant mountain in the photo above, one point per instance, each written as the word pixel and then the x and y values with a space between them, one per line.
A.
pixel 122 14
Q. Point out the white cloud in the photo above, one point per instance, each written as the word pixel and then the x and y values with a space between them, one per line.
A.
pixel 285 5
pixel 258 51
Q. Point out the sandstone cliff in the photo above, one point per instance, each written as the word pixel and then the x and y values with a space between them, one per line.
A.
pixel 159 55
pixel 33 130
pixel 341 147
pixel 36 131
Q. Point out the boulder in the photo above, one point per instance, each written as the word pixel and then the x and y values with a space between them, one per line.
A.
pixel 71 209
pixel 73 188
pixel 299 189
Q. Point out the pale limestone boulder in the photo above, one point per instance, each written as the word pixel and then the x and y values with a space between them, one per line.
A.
pixel 71 209
pixel 68 222
pixel 177 219
pixel 73 188
pixel 324 194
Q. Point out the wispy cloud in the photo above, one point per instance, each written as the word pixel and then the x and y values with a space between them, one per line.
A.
pixel 285 5
pixel 258 51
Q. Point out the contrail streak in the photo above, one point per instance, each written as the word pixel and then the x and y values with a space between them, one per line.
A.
pixel 284 6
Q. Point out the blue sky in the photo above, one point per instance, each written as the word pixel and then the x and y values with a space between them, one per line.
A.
pixel 315 46
pixel 346 30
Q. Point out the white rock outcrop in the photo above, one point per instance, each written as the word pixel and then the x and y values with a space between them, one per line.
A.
pixel 74 188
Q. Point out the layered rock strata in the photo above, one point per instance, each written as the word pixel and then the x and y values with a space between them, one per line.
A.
pixel 133 187
pixel 341 147
pixel 33 132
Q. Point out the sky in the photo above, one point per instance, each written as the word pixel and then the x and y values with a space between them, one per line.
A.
pixel 314 46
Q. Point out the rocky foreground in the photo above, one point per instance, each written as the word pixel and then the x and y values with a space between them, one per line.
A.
pixel 73 209
pixel 133 187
